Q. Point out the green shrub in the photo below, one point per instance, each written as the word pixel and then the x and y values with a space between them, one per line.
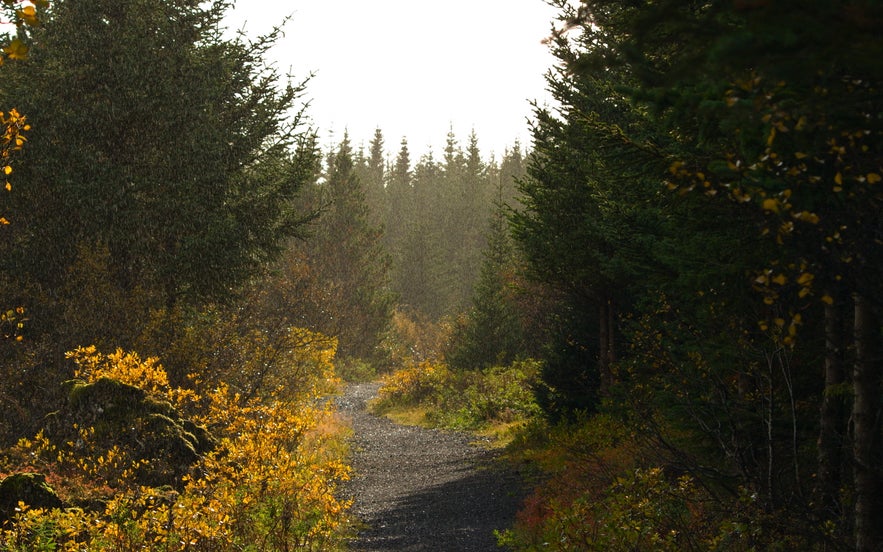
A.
pixel 464 399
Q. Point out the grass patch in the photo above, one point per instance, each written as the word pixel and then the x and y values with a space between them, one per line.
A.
pixel 491 403
pixel 501 434
pixel 409 415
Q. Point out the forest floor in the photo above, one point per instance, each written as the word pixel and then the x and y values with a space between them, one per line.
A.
pixel 427 490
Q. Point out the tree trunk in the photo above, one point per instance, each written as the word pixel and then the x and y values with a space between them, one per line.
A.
pixel 831 421
pixel 606 355
pixel 865 418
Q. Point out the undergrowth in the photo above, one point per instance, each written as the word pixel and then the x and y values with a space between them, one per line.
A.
pixel 269 483
pixel 597 483
pixel 498 398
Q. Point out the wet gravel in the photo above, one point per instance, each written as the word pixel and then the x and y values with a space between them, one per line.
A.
pixel 417 489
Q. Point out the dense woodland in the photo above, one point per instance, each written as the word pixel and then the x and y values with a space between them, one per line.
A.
pixel 672 297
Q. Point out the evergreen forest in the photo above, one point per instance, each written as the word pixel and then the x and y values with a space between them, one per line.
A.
pixel 667 308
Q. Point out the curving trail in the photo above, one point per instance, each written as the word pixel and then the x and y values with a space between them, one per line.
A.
pixel 425 490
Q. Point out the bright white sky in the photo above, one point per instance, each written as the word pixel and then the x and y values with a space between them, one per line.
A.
pixel 413 68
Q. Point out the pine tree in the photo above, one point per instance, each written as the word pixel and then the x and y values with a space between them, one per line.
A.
pixel 162 143
pixel 492 332
pixel 348 257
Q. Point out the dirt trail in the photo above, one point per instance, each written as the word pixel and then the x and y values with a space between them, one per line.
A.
pixel 423 490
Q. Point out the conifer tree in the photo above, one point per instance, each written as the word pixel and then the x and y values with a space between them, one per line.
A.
pixel 760 116
pixel 374 176
pixel 347 256
pixel 492 332
pixel 162 143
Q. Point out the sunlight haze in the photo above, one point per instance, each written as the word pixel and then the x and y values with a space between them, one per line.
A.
pixel 413 68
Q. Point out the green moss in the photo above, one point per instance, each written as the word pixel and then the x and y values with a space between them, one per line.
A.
pixel 30 488
pixel 149 430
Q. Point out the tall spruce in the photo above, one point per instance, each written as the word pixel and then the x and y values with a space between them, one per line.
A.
pixel 346 253
pixel 492 332
pixel 169 147
pixel 765 120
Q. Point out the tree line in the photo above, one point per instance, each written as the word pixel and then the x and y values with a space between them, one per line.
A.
pixel 691 247
pixel 702 212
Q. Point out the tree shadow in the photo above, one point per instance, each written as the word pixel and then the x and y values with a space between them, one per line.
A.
pixel 460 515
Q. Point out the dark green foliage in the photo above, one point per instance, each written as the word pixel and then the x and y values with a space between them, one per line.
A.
pixel 711 179
pixel 346 254
pixel 492 332
pixel 590 225
pixel 570 381
pixel 163 143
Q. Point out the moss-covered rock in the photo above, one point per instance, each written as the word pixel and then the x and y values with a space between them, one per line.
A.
pixel 151 432
pixel 30 488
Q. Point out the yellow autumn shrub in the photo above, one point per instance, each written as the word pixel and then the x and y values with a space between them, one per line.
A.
pixel 411 384
pixel 269 484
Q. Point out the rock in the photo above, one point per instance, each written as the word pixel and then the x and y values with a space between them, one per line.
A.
pixel 150 431
pixel 30 488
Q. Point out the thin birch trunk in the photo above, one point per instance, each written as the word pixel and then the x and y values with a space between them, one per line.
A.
pixel 865 418
pixel 831 418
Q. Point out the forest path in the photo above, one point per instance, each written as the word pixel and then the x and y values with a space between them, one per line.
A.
pixel 418 489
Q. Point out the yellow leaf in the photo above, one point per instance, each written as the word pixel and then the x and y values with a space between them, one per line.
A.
pixel 873 178
pixel 780 279
pixel 838 179
pixel 28 15
pixel 779 322
pixel 827 299
pixel 807 216
pixel 16 49
pixel 7 170
pixel 770 204
pixel 805 279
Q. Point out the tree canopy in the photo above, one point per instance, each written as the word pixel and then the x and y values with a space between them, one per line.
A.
pixel 170 147
pixel 711 178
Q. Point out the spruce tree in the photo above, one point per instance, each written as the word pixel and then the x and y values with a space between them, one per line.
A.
pixel 169 147
pixel 492 332
pixel 346 252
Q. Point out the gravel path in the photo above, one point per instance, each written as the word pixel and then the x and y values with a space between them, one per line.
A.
pixel 425 490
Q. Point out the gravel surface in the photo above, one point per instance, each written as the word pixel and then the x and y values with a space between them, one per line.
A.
pixel 426 490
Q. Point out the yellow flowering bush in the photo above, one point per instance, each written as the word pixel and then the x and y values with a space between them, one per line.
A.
pixel 128 368
pixel 412 383
pixel 269 484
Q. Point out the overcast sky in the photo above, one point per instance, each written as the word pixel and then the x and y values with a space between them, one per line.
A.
pixel 414 68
